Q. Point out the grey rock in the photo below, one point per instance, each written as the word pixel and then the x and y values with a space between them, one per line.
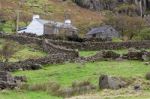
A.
pixel 106 82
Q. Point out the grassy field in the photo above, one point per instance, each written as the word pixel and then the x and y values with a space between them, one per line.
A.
pixel 24 52
pixel 27 53
pixel 25 95
pixel 87 53
pixel 67 73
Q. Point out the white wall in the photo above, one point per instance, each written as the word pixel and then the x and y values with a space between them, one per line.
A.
pixel 34 27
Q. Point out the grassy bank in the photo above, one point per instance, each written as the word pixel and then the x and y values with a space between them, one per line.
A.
pixel 67 73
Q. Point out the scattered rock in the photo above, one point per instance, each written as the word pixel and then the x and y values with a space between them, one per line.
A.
pixel 137 87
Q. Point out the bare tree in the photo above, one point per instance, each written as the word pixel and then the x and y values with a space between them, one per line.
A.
pixel 8 50
pixel 126 25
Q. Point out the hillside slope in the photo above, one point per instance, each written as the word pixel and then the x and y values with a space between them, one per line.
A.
pixel 52 10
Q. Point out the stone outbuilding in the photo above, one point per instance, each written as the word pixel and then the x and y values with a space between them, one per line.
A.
pixel 103 32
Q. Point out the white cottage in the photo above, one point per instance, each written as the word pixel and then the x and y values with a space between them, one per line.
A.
pixel 35 27
pixel 39 27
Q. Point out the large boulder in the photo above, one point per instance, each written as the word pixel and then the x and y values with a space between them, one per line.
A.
pixel 107 82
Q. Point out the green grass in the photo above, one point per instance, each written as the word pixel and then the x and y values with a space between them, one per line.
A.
pixel 90 53
pixel 87 53
pixel 27 53
pixel 67 73
pixel 134 97
pixel 24 52
pixel 25 95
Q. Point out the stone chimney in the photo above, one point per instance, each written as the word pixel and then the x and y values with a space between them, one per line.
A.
pixel 68 21
pixel 36 17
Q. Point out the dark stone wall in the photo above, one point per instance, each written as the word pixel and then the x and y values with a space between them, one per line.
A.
pixel 102 45
pixel 31 64
pixel 68 47
pixel 43 44
pixel 55 49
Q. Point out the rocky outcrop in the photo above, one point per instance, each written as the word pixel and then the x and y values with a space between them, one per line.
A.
pixel 141 5
pixel 97 4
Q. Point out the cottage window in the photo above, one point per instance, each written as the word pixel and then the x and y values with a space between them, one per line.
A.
pixel 94 35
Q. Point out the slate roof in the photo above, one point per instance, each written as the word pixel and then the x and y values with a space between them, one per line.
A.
pixel 61 25
pixel 42 21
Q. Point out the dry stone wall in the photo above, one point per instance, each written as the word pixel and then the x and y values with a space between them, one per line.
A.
pixel 77 45
pixel 55 49
pixel 43 44
pixel 56 54
pixel 34 64
pixel 91 46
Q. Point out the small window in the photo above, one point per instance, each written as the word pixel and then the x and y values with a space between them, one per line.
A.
pixel 111 30
pixel 94 35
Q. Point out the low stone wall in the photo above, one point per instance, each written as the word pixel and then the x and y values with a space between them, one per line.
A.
pixel 91 46
pixel 55 49
pixel 43 44
pixel 111 55
pixel 21 39
pixel 137 55
pixel 77 45
pixel 31 64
